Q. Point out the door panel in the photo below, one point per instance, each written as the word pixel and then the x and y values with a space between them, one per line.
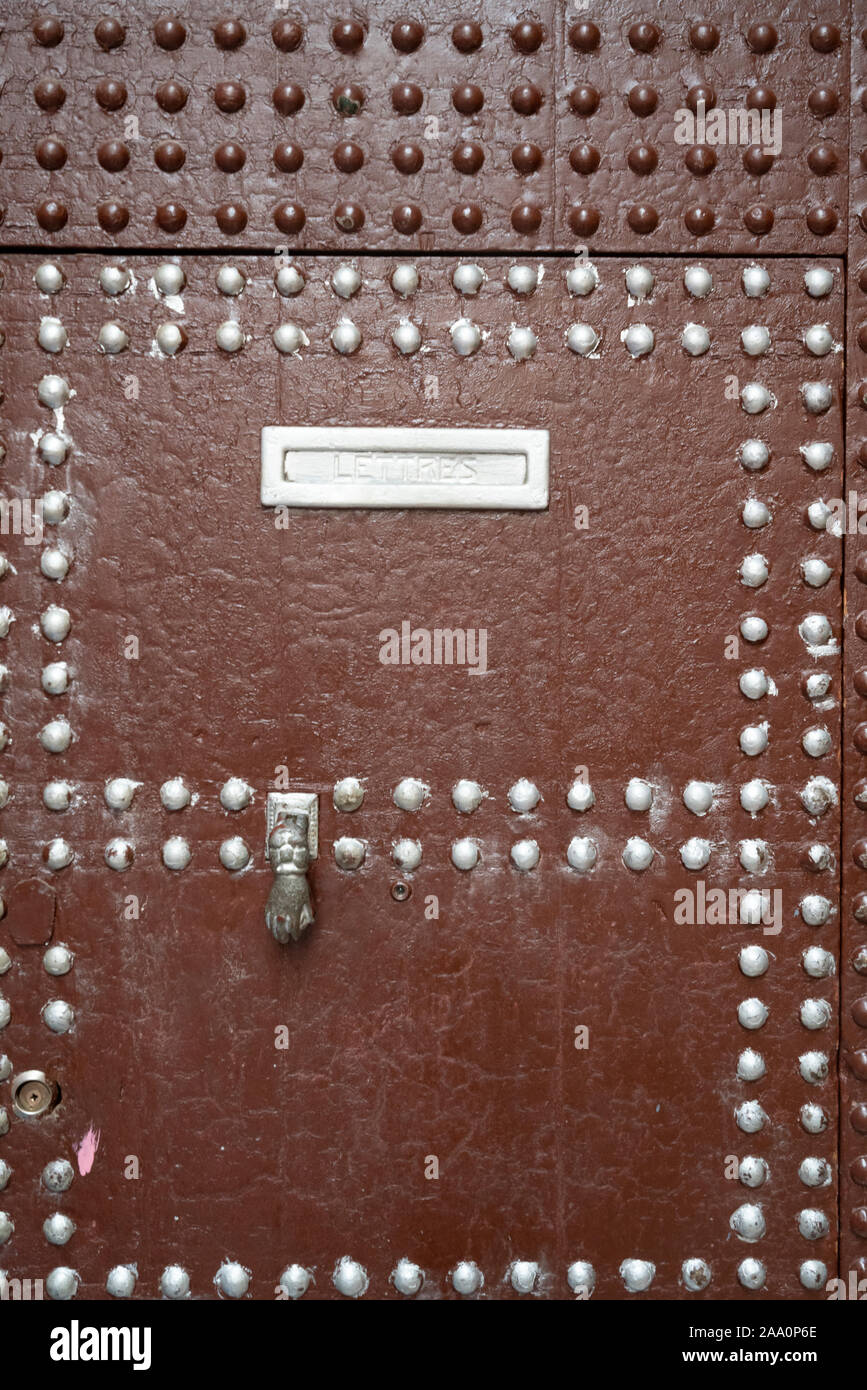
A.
pixel 214 638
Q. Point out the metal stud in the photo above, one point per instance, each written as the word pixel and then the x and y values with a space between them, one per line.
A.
pixel 465 854
pixel 345 337
pixel 289 339
pixel 522 343
pixel 754 455
pixel 295 1281
pixel 818 339
pixel 406 854
pixel 52 336
pixel 55 623
pixel 523 279
pixel 815 1172
pixel 525 855
pixel 639 281
pixel 818 794
pixel 350 1278
pixel 174 794
pixel 638 339
pixel 230 336
pixel 58 1016
pixel 118 854
pixel 752 1014
pixel 53 391
pixel 755 340
pixel 697 281
pixel 176 853
pixel 467 1278
pixel 637 1275
pixel 49 278
pixel 580 795
pixel 813 1224
pixel 751 1065
pixel 756 281
pixel 289 281
pixel 582 339
pixel 816 743
pixel 753 856
pixel 348 794
pixel 58 1228
pixel 637 854
pixel 169 279
pixel 55 678
pixel 815 1013
pixel 815 909
pixel 407 1277
pixel 754 683
pixel 754 796
pixel 817 397
pixel 638 794
pixel 346 281
pixel 750 1117
pixel 524 795
pixel 466 337
pixel 815 630
pixel 813 1274
pixel 404 279
pixel 813 1119
pixel 524 1276
pixel 466 796
pixel 696 1275
pixel 581 853
pixel 748 1222
pixel 112 339
pixel 818 281
pixel 349 853
pixel 816 572
pixel 174 1282
pixel 232 1279
pixel 581 1278
pixel 7 1227
pixel 695 339
pixel 57 1175
pixel 753 1172
pixel 752 1274
pixel 817 455
pixel 235 794
pixel 58 960
pixel 582 278
pixel 55 509
pixel 468 279
pixel 119 792
pixel 818 963
pixel 62 1284
pixel 813 1067
pixel 121 1281
pixel 754 571
pixel 406 337
pixel 170 338
pixel 54 563
pixel 753 739
pixel 230 281
pixel 410 793
pixel 755 398
pixel 695 853
pixel 755 513
pixel 234 854
pixel 114 279
pixel 698 797
pixel 56 795
pixel 55 736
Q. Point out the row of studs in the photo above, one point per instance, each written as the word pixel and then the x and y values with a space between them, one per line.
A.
pixel 351 1280
pixel 290 217
pixel 468 157
pixel 582 855
pixel 169 280
pixel 466 336
pixel 349 35
pixel 816 632
pixel 853 1043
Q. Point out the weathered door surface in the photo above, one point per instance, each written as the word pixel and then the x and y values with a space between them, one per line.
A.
pixel 568 680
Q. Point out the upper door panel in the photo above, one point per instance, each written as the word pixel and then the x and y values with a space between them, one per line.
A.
pixel 355 127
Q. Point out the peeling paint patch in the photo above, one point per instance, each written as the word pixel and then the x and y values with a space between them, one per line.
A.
pixel 86 1150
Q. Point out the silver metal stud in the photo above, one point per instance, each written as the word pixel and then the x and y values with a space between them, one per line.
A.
pixel 813 1224
pixel 49 278
pixel 230 336
pixel 289 339
pixel 169 279
pixel 818 281
pixel 176 853
pixel 815 1013
pixel 580 795
pixel 638 339
pixel 170 338
pixel 582 339
pixel 349 852
pixel 57 1176
pixel 53 391
pixel 637 1275
pixel 813 1119
pixel 121 1281
pixel 695 853
pixel 404 279
pixel 58 1015
pixel 813 1274
pixel 348 794
pixel 119 793
pixel 467 1278
pixel 697 281
pixel 754 571
pixel 289 281
pixel 406 337
pixel 755 398
pixel 295 1281
pixel 410 793
pixel 638 794
pixel 524 1276
pixel 407 1277
pixel 755 340
pixel 815 572
pixel 524 795
pixel 465 854
pixel 232 1279
pixel 175 794
pixel 637 854
pixel 753 1172
pixel 52 336
pixel 522 343
pixel 466 337
pixel 467 796
pixel 752 1013
pixel 818 963
pixel 112 339
pixel 468 279
pixel 235 794
pixel 350 1278
pixel 581 1278
pixel 345 337
pixel 817 397
pixel 751 1065
pixel 114 279
pixel 62 1284
pixel 346 281
pixel 754 455
pixel 755 280
pixel 582 278
pixel 57 960
pixel 581 853
pixel 813 1067
pixel 234 854
pixel 752 1274
pixel 695 339
pixel 406 854
pixel 525 855
pixel 58 1228
pixel 230 281
pixel 174 1282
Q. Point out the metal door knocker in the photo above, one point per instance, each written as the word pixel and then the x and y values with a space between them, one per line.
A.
pixel 291 847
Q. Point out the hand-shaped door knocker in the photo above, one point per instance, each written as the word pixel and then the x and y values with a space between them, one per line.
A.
pixel 289 911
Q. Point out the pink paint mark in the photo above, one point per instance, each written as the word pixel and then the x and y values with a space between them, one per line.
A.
pixel 86 1150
